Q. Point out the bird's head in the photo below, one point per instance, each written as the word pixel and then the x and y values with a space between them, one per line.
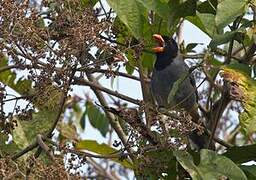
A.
pixel 167 46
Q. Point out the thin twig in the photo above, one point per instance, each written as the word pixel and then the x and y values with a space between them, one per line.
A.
pixel 122 44
pixel 211 5
pixel 16 98
pixel 86 154
pixel 102 7
pixel 116 73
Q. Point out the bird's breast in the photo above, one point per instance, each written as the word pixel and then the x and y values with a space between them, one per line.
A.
pixel 163 80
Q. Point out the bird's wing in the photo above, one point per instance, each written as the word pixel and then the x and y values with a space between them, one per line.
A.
pixel 193 82
pixel 191 79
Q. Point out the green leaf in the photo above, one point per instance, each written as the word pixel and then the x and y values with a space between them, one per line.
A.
pixel 211 166
pixel 48 97
pixel 7 149
pixel 157 162
pixel 148 60
pixel 77 115
pixel 94 146
pixel 86 3
pixel 182 9
pixel 215 62
pixel 131 64
pixel 175 88
pixel 219 39
pixel 102 149
pixel 208 22
pixel 205 22
pixel 159 7
pixel 241 154
pixel 134 14
pixel 22 86
pixel 197 22
pixel 250 171
pixel 129 69
pixel 208 6
pixel 27 130
pixel 130 12
pixel 228 11
pixel 67 132
pixel 121 31
pixel 97 119
pixel 82 120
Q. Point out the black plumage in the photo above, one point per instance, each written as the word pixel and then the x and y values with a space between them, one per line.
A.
pixel 168 68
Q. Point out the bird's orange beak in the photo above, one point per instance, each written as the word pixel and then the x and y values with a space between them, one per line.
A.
pixel 160 40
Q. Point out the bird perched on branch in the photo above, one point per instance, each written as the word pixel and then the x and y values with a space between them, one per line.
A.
pixel 168 69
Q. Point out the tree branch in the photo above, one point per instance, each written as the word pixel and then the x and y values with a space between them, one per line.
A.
pixel 6 68
pixel 49 134
pixel 17 98
pixel 132 117
pixel 41 143
pixel 147 98
pixel 86 154
pixel 62 103
pixel 24 151
pixel 193 56
pixel 231 44
pixel 217 110
pixel 249 54
pixel 116 73
pixel 101 170
pixel 112 120
pixel 96 86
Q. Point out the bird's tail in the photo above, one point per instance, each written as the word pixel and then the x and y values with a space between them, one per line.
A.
pixel 199 139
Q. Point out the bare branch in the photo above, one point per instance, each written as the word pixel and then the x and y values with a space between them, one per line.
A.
pixel 24 151
pixel 86 154
pixel 100 169
pixel 41 143
pixel 6 68
pixel 114 123
pixel 145 93
pixel 218 109
pixel 17 98
pixel 249 54
pixel 93 85
pixel 116 73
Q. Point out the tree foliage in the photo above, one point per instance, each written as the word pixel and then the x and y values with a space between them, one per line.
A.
pixel 49 48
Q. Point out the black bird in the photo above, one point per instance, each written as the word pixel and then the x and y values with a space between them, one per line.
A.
pixel 170 67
